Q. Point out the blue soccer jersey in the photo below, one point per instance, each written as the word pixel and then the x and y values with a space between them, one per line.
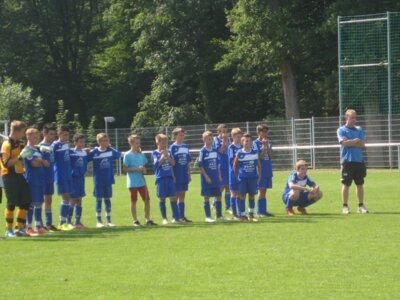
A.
pixel 247 163
pixel 209 161
pixel 78 162
pixel 223 157
pixel 161 170
pixel 103 165
pixel 266 163
pixel 62 162
pixel 49 156
pixel 232 150
pixel 135 160
pixel 34 175
pixel 350 154
pixel 181 155
pixel 294 178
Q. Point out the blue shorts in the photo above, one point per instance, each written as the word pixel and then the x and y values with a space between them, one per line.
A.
pixel 233 182
pixel 79 187
pixel 165 187
pixel 225 177
pixel 210 191
pixel 49 188
pixel 65 187
pixel 265 183
pixel 248 186
pixel 37 193
pixel 181 187
pixel 302 202
pixel 102 191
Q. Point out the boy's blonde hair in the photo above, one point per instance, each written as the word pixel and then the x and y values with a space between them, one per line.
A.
pixel 100 136
pixel 132 138
pixel 177 130
pixel 31 131
pixel 161 137
pixel 301 163
pixel 17 125
pixel 206 133
pixel 221 126
pixel 350 112
pixel 236 131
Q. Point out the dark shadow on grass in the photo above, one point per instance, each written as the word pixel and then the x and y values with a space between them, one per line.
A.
pixel 385 213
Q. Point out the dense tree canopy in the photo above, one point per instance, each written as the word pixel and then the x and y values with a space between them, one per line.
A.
pixel 153 63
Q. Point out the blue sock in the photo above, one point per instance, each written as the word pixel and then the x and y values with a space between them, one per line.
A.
pixel 107 205
pixel 218 206
pixel 48 216
pixel 181 207
pixel 227 201
pixel 163 210
pixel 233 206
pixel 252 204
pixel 29 217
pixel 261 206
pixel 241 207
pixel 207 209
pixel 64 208
pixel 98 210
pixel 175 210
pixel 37 212
pixel 78 214
pixel 70 213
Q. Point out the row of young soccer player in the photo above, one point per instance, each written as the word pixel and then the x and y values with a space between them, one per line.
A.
pixel 234 165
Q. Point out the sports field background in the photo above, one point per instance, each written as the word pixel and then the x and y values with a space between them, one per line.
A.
pixel 325 255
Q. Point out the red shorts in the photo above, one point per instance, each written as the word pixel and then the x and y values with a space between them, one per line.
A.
pixel 144 193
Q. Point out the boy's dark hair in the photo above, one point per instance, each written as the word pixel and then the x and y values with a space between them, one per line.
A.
pixel 262 127
pixel 48 127
pixel 77 137
pixel 247 135
pixel 62 128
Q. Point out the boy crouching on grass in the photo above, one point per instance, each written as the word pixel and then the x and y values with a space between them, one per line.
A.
pixel 134 166
pixel 300 190
pixel 164 177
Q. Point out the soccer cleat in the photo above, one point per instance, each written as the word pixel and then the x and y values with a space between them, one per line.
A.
pixel 80 226
pixel 186 220
pixel 100 225
pixel 70 226
pixel 9 233
pixel 164 221
pixel 345 210
pixel 261 216
pixel 150 223
pixel 229 211
pixel 40 231
pixel 290 211
pixel 20 233
pixel 234 218
pixel 362 209
pixel 268 214
pixel 174 221
pixel 109 224
pixel 244 219
pixel 64 227
pixel 302 210
pixel 253 219
pixel 220 219
pixel 52 228
pixel 136 223
pixel 209 220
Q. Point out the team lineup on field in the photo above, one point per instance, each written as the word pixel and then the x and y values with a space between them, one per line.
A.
pixel 233 166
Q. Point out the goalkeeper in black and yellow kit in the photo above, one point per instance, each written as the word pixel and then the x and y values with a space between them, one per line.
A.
pixel 15 186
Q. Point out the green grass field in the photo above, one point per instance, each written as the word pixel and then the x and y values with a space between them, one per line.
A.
pixel 325 255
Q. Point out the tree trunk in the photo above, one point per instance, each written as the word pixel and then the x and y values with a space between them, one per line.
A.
pixel 289 89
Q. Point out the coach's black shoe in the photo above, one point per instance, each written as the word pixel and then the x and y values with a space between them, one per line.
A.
pixel 150 223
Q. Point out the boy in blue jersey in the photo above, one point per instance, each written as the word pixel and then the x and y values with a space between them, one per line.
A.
pixel 34 166
pixel 163 163
pixel 79 166
pixel 300 190
pixel 49 134
pixel 221 143
pixel 352 142
pixel 264 146
pixel 210 176
pixel 181 155
pixel 247 170
pixel 135 168
pixel 236 135
pixel 63 174
pixel 103 158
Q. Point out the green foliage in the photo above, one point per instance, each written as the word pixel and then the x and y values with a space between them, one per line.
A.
pixel 18 103
pixel 62 114
pixel 76 124
pixel 91 132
